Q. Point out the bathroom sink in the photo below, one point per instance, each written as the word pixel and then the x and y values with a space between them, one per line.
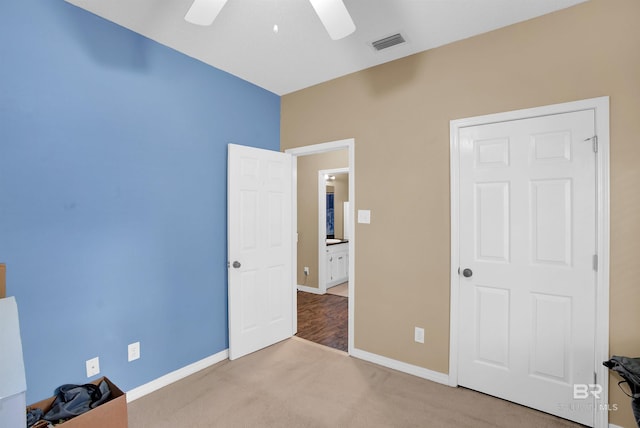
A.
pixel 333 241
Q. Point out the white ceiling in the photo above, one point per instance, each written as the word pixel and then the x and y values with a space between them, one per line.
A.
pixel 242 42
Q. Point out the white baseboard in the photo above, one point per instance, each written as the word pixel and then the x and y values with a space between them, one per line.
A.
pixel 401 366
pixel 614 426
pixel 306 289
pixel 175 376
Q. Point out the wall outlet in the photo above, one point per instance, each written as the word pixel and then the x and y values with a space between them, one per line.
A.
pixel 418 335
pixel 134 351
pixel 306 270
pixel 93 366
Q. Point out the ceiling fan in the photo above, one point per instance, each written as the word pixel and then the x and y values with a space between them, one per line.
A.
pixel 332 13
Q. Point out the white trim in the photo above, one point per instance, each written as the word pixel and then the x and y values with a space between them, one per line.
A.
pixel 322 222
pixel 322 231
pixel 614 426
pixel 454 171
pixel 175 376
pixel 600 106
pixel 401 366
pixel 308 289
pixel 321 148
pixel 294 252
pixel 348 144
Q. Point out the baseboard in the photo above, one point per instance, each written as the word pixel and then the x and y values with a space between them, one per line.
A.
pixel 614 426
pixel 306 289
pixel 175 376
pixel 401 366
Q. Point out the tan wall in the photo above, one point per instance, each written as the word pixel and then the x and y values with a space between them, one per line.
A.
pixel 308 167
pixel 399 115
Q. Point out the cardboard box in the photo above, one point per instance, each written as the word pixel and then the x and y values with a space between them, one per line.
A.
pixel 112 414
pixel 3 281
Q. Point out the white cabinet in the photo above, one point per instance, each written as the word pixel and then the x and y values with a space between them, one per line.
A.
pixel 337 264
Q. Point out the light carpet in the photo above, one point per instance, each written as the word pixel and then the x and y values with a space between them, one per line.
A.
pixel 296 383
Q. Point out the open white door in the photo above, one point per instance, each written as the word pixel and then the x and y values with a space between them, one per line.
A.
pixel 261 292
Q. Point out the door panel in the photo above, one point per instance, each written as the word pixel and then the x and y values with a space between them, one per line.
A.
pixel 528 234
pixel 492 221
pixel 551 221
pixel 551 335
pixel 492 310
pixel 261 292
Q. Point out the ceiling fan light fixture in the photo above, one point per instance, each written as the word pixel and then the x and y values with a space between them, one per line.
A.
pixel 335 17
pixel 204 12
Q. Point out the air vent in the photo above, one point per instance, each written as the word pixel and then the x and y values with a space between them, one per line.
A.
pixel 387 42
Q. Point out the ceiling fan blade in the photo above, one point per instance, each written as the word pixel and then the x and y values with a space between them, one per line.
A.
pixel 204 12
pixel 335 17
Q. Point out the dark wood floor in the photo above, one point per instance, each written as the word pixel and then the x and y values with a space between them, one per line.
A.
pixel 323 319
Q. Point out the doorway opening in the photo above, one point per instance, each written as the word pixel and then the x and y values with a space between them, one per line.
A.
pixel 333 231
pixel 318 313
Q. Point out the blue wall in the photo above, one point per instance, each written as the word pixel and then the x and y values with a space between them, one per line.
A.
pixel 113 194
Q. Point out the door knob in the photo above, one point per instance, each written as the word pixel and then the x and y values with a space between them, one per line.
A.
pixel 467 273
pixel 236 264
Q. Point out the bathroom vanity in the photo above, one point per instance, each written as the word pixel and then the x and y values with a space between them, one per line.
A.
pixel 337 253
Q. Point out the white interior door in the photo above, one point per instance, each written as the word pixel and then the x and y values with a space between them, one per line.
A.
pixel 527 243
pixel 261 292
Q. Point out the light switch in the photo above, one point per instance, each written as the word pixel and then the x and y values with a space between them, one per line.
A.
pixel 364 216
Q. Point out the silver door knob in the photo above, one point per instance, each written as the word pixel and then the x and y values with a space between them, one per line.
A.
pixel 467 273
pixel 236 264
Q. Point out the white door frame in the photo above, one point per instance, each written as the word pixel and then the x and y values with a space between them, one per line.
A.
pixel 322 225
pixel 601 108
pixel 348 144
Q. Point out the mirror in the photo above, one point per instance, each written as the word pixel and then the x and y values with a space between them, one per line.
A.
pixel 337 194
pixel 330 212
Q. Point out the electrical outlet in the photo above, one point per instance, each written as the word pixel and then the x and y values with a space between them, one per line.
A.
pixel 418 335
pixel 93 366
pixel 134 351
pixel 306 270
